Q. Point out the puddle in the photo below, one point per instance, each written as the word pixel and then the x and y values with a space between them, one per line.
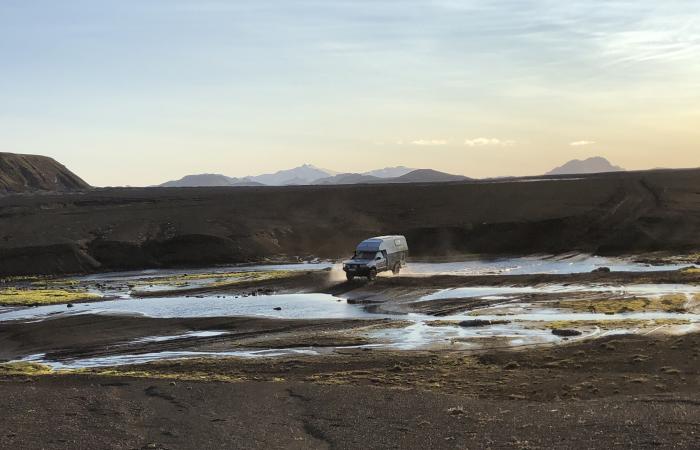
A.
pixel 191 334
pixel 293 306
pixel 423 336
pixel 121 360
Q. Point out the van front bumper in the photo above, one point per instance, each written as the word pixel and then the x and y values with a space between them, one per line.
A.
pixel 357 270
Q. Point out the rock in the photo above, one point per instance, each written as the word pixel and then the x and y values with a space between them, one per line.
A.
pixel 481 323
pixel 69 305
pixel 601 270
pixel 566 332
pixel 456 411
pixel 511 365
pixel 277 309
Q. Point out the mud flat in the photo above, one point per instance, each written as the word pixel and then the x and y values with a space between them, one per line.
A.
pixel 626 391
pixel 295 357
pixel 258 313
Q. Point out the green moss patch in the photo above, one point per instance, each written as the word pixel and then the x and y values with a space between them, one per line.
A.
pixel 666 303
pixel 24 368
pixel 612 324
pixel 199 281
pixel 28 297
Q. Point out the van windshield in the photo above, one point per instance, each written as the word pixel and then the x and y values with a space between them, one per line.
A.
pixel 364 255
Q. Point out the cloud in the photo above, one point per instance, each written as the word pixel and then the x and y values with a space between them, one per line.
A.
pixel 484 142
pixel 429 142
pixel 581 143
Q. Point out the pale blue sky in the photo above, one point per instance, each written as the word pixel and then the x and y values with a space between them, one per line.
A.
pixel 138 92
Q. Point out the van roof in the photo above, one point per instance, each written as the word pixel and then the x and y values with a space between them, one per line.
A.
pixel 383 243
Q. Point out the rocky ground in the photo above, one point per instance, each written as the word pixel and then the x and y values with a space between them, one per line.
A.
pixel 626 392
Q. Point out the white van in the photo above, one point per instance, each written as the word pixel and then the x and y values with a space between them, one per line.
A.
pixel 375 255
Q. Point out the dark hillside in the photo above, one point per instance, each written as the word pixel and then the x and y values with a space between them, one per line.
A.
pixel 31 173
pixel 106 229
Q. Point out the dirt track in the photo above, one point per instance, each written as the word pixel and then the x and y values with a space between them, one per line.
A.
pixel 135 228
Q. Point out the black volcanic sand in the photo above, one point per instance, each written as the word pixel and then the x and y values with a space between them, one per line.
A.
pixel 624 391
pixel 113 229
pixel 88 336
pixel 629 391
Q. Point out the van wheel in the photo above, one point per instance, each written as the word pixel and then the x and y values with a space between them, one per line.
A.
pixel 349 276
pixel 372 274
pixel 396 269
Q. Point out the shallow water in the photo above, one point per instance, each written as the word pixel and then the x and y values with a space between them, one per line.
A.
pixel 326 306
pixel 535 265
pixel 508 292
pixel 121 360
pixel 418 335
pixel 191 334
pixel 294 306
pixel 472 266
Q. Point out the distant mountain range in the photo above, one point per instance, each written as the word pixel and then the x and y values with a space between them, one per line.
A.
pixel 209 180
pixel 308 174
pixel 596 164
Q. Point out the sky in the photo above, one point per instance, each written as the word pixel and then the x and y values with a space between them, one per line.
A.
pixel 137 92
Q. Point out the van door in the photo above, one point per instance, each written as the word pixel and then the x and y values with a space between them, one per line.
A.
pixel 381 260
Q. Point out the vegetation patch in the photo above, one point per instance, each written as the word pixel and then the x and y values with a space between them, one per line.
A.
pixel 180 376
pixel 19 279
pixel 385 325
pixel 442 323
pixel 196 282
pixel 29 297
pixel 214 278
pixel 666 303
pixel 60 282
pixel 24 368
pixel 612 324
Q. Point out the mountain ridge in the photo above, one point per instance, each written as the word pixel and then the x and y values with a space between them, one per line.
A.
pixel 21 173
pixel 309 174
pixel 594 164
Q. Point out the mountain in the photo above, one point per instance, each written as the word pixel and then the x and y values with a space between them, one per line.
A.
pixel 31 173
pixel 209 180
pixel 305 174
pixel 348 178
pixel 308 174
pixel 427 176
pixel 204 179
pixel 596 164
pixel 389 172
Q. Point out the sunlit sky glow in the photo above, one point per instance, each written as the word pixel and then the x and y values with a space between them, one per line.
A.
pixel 141 91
